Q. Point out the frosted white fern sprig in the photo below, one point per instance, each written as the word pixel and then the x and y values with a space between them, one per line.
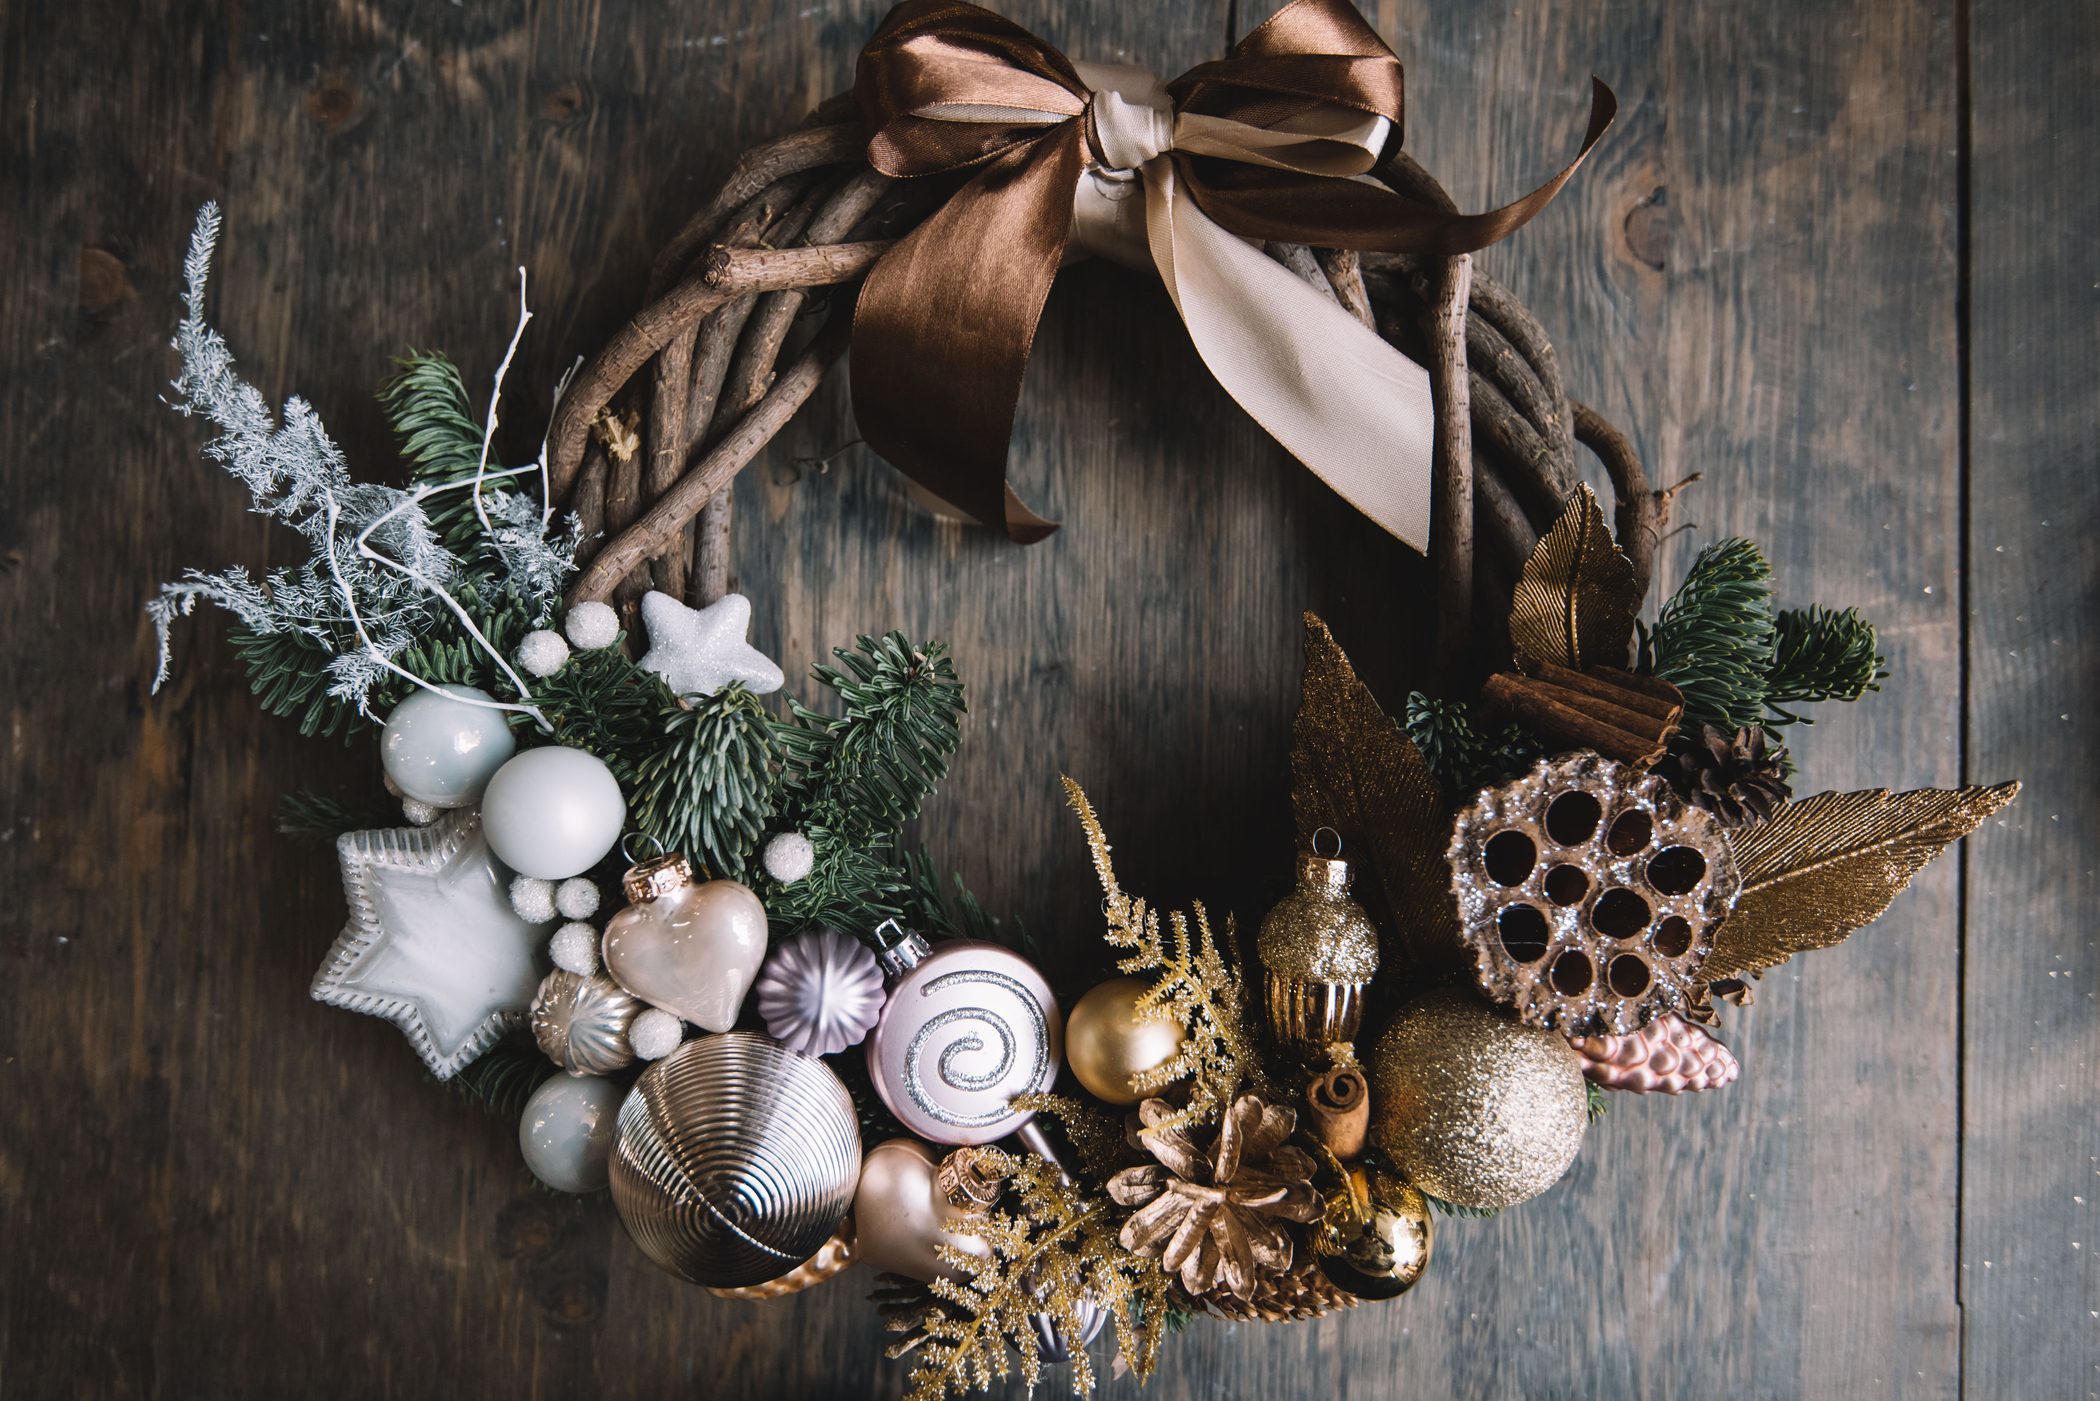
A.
pixel 381 577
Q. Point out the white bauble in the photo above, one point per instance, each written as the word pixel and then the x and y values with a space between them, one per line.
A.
pixel 591 626
pixel 577 898
pixel 553 812
pixel 567 1131
pixel 542 653
pixel 789 857
pixel 654 1034
pixel 442 751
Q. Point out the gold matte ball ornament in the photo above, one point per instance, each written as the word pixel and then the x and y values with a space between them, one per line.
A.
pixel 1108 1045
pixel 1472 1106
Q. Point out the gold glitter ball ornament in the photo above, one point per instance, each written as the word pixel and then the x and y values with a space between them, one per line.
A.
pixel 1473 1107
pixel 1318 951
pixel 1108 1045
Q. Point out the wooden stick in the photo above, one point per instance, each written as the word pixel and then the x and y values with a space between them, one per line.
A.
pixel 1300 260
pixel 683 501
pixel 726 274
pixel 588 504
pixel 1638 521
pixel 712 576
pixel 755 169
pixel 1451 482
pixel 1345 276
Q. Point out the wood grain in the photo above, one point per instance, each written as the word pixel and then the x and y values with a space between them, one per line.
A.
pixel 208 1186
pixel 2030 1160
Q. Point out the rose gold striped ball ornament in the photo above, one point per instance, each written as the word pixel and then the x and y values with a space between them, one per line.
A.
pixel 736 1159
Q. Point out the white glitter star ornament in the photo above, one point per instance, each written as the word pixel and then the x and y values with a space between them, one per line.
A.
pixel 698 651
pixel 433 943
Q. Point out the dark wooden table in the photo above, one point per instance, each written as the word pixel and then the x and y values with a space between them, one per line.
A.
pixel 1838 257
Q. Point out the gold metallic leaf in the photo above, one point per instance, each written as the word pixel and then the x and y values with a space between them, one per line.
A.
pixel 1576 598
pixel 1355 770
pixel 1826 865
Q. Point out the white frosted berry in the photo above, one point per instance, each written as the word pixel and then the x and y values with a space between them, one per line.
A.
pixel 576 898
pixel 789 857
pixel 655 1034
pixel 591 626
pixel 574 949
pixel 542 653
pixel 418 813
pixel 533 899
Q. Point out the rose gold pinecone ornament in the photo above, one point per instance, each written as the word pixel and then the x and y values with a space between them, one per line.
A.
pixel 1216 1216
pixel 1292 1296
pixel 1667 1056
pixel 1589 893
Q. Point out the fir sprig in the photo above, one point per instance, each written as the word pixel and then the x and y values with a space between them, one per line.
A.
pixel 310 816
pixel 1714 638
pixel 1463 759
pixel 1821 655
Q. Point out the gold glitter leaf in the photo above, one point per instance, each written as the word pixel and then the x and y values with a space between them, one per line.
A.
pixel 1576 598
pixel 1353 769
pixel 1826 865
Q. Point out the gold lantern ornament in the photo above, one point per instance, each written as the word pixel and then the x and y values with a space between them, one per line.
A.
pixel 1109 1043
pixel 1474 1106
pixel 1319 952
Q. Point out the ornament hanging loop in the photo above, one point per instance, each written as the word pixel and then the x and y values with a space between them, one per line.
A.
pixel 1331 835
pixel 626 842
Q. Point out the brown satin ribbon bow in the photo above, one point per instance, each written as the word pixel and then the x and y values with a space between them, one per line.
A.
pixel 1272 142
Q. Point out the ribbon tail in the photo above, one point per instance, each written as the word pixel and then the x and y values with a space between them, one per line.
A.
pixel 944 323
pixel 1350 407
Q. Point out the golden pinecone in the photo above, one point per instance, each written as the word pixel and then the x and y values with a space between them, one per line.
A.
pixel 1215 1216
pixel 1290 1296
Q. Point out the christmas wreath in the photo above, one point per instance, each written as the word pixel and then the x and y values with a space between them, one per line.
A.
pixel 796 1044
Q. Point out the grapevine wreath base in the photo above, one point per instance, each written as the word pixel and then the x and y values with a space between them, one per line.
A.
pixel 678 932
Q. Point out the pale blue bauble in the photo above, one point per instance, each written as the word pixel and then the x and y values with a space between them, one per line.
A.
pixel 443 751
pixel 567 1131
pixel 553 812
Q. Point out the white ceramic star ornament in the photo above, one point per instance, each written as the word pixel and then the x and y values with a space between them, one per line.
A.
pixel 433 943
pixel 698 651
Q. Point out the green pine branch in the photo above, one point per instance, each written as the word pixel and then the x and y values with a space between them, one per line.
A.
pixel 1463 759
pixel 1714 639
pixel 1821 655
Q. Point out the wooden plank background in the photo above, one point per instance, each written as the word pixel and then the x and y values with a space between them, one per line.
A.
pixel 1838 257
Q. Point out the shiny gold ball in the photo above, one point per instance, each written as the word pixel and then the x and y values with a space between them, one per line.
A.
pixel 1108 1046
pixel 1388 1253
pixel 1472 1106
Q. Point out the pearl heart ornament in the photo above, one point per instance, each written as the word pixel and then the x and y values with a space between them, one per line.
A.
pixel 691 948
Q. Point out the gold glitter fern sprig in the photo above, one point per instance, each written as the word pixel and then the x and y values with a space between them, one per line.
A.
pixel 1194 984
pixel 1054 1253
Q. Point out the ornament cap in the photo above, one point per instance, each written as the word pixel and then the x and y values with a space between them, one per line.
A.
pixel 657 877
pixel 1327 876
pixel 897 949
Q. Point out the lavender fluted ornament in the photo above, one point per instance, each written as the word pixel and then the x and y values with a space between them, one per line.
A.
pixel 968 1026
pixel 819 992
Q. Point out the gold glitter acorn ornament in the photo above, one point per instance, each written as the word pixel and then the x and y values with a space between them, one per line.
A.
pixel 1108 1044
pixel 1472 1106
pixel 1318 953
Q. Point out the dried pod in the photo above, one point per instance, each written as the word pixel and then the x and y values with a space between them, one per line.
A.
pixel 580 1020
pixel 1668 1056
pixel 1589 894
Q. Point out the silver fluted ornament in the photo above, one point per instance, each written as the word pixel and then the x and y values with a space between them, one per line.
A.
pixel 737 1158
